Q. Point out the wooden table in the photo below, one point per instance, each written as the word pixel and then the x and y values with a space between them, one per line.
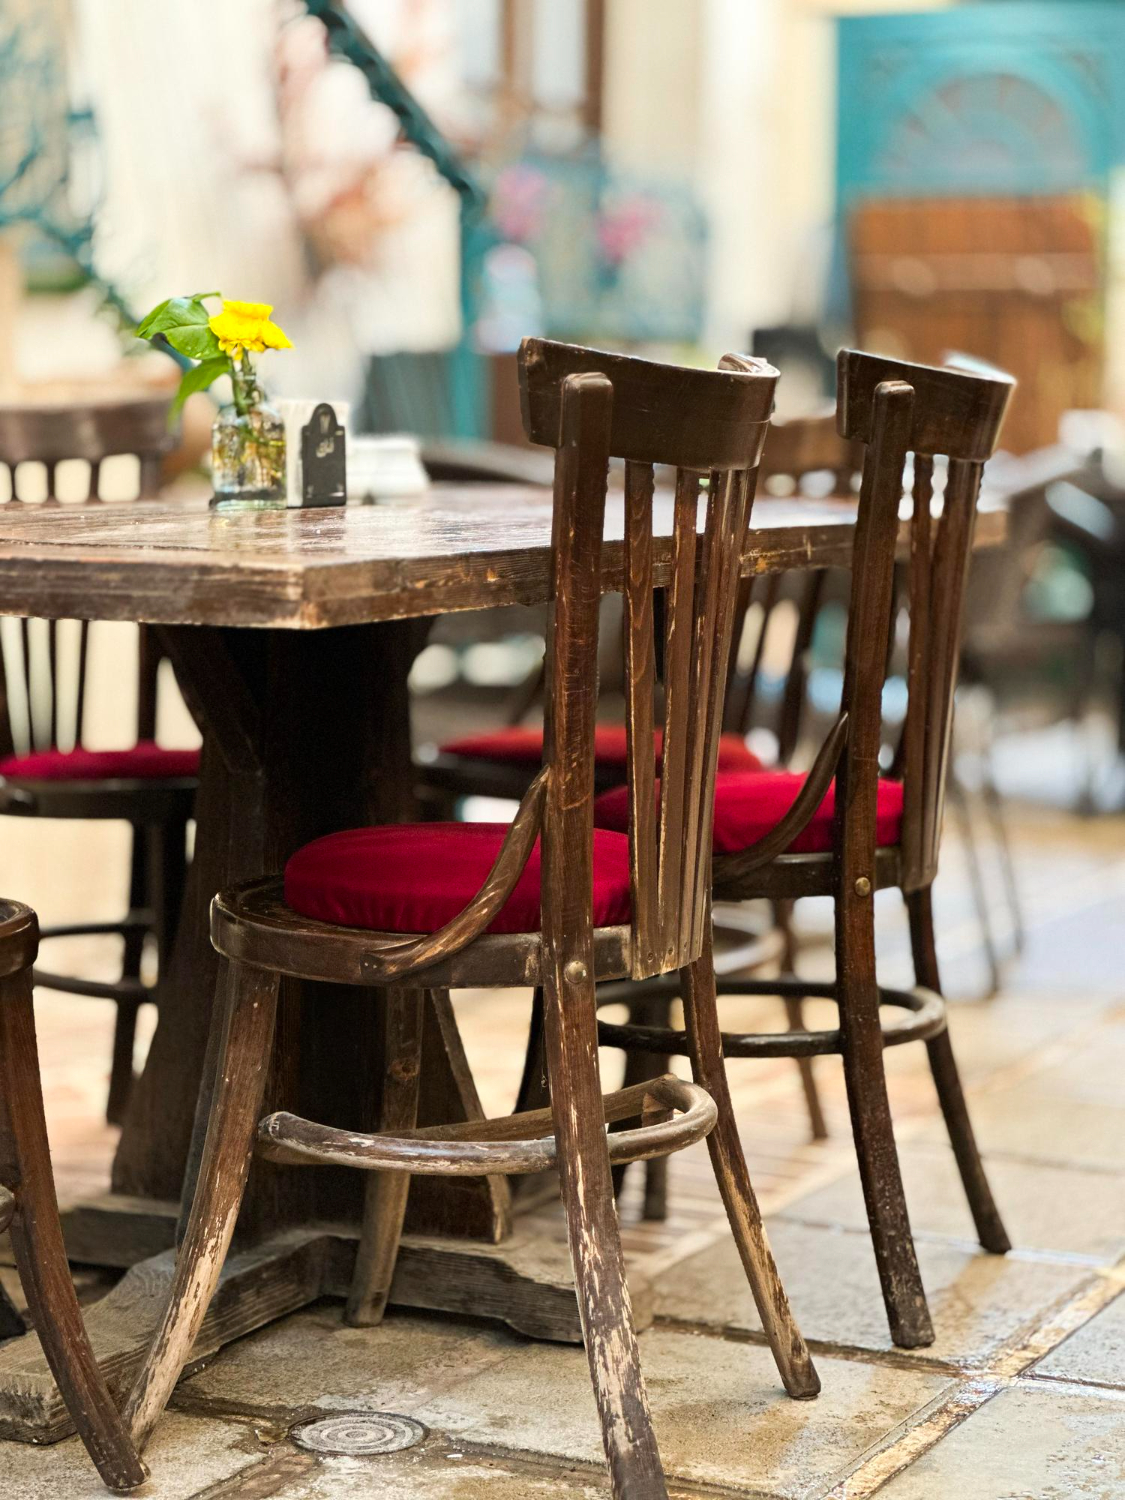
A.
pixel 292 634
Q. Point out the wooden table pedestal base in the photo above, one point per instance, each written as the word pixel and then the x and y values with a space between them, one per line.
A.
pixel 525 1282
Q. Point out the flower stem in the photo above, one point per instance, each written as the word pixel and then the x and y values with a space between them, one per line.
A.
pixel 242 384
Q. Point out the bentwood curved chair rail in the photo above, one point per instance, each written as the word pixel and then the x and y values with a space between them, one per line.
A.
pixel 29 1211
pixel 45 769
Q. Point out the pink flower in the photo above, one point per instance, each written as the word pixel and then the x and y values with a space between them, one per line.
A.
pixel 624 226
pixel 519 197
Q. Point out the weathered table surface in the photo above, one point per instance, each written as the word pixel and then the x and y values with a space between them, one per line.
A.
pixel 178 561
pixel 306 730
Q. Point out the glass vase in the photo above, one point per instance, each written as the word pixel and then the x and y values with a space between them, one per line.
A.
pixel 248 450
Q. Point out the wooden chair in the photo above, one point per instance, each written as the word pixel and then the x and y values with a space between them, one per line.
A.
pixel 472 904
pixel 29 1212
pixel 782 837
pixel 50 774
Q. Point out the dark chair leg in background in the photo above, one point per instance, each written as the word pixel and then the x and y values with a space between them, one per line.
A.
pixel 37 1241
pixel 795 1016
pixel 11 1324
pixel 653 1010
pixel 960 802
pixel 125 1024
pixel 169 872
pixel 990 1227
pixel 701 1016
pixel 534 1092
pixel 384 1204
pixel 994 806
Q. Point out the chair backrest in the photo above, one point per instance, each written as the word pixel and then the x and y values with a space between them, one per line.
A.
pixel 799 446
pixel 91 432
pixel 795 448
pixel 709 426
pixel 894 408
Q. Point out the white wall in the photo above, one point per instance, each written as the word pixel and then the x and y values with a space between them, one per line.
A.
pixel 739 96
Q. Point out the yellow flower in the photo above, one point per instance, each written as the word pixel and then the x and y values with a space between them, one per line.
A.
pixel 246 325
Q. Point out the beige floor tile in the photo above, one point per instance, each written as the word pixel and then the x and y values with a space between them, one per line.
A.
pixel 186 1456
pixel 312 1359
pixel 979 1303
pixel 1066 1210
pixel 1028 1443
pixel 1096 1352
pixel 1028 1124
pixel 438 1471
pixel 720 1414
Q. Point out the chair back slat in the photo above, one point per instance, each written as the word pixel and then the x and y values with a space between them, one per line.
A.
pixel 704 623
pixel 795 448
pixel 732 507
pixel 50 435
pixel 955 413
pixel 591 407
pixel 798 446
pixel 640 678
pixel 581 464
pixel 952 549
pixel 679 640
pixel 913 748
pixel 791 713
pixel 857 777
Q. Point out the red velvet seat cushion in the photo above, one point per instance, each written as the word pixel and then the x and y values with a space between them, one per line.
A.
pixel 143 762
pixel 519 744
pixel 749 804
pixel 415 877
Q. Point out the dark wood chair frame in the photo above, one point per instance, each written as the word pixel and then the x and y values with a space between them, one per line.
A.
pixel 30 1212
pixel 588 406
pixel 893 408
pixel 158 810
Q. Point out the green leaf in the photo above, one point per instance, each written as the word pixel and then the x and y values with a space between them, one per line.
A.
pixel 175 313
pixel 193 339
pixel 198 378
pixel 147 324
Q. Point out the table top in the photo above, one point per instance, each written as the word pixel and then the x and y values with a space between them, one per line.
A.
pixel 177 560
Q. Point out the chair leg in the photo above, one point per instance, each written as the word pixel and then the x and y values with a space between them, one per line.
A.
pixel 125 1023
pixel 653 1010
pixel 384 1205
pixel 246 1013
pixel 533 1092
pixel 121 1076
pixel 38 1245
pixel 960 802
pixel 571 1037
pixel 994 806
pixel 861 1039
pixel 169 876
pixel 986 1216
pixel 701 1017
pixel 795 1016
pixel 11 1324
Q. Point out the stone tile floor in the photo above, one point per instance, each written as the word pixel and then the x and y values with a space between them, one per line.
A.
pixel 1021 1397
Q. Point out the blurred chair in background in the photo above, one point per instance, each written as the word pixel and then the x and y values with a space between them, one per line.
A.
pixel 45 770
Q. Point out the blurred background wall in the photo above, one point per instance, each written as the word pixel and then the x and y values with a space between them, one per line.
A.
pixel 425 181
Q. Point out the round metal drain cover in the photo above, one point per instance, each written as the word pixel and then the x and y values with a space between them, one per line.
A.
pixel 360 1434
